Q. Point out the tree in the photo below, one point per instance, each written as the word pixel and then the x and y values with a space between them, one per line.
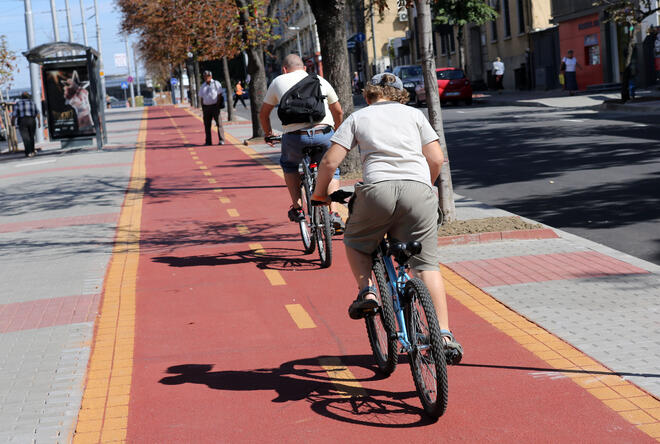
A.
pixel 628 14
pixel 7 65
pixel 331 28
pixel 459 13
pixel 425 38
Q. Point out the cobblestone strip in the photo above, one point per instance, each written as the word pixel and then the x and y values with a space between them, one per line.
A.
pixel 633 404
pixel 104 412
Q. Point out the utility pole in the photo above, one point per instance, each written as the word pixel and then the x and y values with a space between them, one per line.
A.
pixel 68 19
pixel 373 35
pixel 137 75
pixel 84 22
pixel 98 43
pixel 35 79
pixel 128 64
pixel 297 29
pixel 53 13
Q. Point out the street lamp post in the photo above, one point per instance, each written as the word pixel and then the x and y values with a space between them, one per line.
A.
pixel 35 78
pixel 297 29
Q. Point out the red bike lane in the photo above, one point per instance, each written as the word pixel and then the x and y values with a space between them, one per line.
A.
pixel 240 337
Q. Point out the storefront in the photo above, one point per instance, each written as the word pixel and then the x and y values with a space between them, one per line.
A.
pixel 583 36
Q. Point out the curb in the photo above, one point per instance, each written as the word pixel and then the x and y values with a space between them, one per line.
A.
pixel 494 236
pixel 630 108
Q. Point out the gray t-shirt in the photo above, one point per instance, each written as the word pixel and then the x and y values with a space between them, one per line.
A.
pixel 390 137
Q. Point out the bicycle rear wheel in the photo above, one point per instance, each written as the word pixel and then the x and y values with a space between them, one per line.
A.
pixel 306 233
pixel 381 327
pixel 427 358
pixel 323 234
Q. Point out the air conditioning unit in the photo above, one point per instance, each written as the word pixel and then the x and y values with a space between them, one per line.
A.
pixel 403 16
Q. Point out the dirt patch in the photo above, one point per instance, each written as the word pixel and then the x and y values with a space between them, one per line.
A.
pixel 486 225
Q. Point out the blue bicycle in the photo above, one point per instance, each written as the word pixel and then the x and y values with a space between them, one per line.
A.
pixel 406 321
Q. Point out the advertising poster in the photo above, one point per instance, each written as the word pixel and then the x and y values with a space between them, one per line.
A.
pixel 68 101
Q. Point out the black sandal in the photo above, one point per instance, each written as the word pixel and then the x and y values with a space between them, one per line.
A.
pixel 362 307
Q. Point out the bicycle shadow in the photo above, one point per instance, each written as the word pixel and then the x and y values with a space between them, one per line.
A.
pixel 272 259
pixel 308 380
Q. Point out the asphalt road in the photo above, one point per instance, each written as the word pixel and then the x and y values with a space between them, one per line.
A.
pixel 593 174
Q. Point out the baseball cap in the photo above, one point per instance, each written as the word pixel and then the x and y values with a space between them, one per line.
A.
pixel 378 80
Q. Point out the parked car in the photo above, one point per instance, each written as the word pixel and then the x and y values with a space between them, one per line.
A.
pixel 411 76
pixel 453 86
pixel 116 103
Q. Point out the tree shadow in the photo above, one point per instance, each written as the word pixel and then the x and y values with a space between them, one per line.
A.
pixel 307 380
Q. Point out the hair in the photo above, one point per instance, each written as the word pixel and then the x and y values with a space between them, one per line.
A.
pixel 25 95
pixel 372 93
pixel 293 62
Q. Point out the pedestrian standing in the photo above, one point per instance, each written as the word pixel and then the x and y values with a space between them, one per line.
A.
pixel 498 69
pixel 569 65
pixel 239 95
pixel 210 93
pixel 27 116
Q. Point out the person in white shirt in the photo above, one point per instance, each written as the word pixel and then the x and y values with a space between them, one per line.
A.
pixel 569 65
pixel 298 135
pixel 401 159
pixel 210 94
pixel 498 70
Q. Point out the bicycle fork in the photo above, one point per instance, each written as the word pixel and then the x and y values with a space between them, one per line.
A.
pixel 396 284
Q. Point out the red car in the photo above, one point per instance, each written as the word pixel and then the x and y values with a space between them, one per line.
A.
pixel 452 85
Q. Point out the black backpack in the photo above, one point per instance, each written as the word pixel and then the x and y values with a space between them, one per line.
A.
pixel 303 103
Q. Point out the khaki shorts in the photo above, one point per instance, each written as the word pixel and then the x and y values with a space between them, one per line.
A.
pixel 405 209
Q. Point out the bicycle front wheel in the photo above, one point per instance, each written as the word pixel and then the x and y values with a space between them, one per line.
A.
pixel 306 232
pixel 323 233
pixel 427 358
pixel 381 327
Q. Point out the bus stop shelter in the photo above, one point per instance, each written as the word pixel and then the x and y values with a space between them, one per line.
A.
pixel 71 82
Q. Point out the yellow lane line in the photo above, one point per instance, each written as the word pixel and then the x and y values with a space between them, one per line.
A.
pixel 206 173
pixel 203 167
pixel 342 378
pixel 634 405
pixel 242 229
pixel 232 212
pixel 300 316
pixel 195 157
pixel 103 414
pixel 257 248
pixel 212 180
pixel 199 162
pixel 218 190
pixel 274 277
pixel 224 200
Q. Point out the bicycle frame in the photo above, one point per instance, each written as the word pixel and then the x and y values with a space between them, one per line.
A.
pixel 397 280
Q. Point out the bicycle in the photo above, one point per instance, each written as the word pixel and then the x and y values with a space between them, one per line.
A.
pixel 316 230
pixel 407 320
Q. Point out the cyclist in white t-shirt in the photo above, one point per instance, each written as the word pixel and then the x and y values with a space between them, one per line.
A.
pixel 401 159
pixel 298 135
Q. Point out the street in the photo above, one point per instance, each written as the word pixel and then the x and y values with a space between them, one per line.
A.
pixel 593 174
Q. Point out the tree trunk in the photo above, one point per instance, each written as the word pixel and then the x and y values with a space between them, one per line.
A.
pixel 424 30
pixel 230 93
pixel 196 78
pixel 181 88
pixel 460 36
pixel 256 70
pixel 331 27
pixel 190 69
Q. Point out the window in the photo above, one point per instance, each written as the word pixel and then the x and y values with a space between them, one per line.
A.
pixel 521 16
pixel 591 49
pixel 495 4
pixel 450 74
pixel 447 43
pixel 507 19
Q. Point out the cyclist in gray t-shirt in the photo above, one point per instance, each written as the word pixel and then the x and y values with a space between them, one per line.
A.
pixel 401 159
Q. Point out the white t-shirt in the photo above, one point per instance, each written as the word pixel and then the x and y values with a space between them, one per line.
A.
pixel 499 68
pixel 390 137
pixel 282 83
pixel 209 92
pixel 570 63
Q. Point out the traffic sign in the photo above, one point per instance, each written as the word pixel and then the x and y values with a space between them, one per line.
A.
pixel 360 37
pixel 130 79
pixel 124 85
pixel 174 81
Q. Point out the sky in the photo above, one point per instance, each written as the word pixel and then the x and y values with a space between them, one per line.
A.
pixel 12 25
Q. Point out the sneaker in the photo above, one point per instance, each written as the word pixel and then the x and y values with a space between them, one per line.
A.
pixel 296 214
pixel 453 350
pixel 337 223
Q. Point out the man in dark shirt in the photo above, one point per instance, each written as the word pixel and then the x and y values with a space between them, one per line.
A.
pixel 27 115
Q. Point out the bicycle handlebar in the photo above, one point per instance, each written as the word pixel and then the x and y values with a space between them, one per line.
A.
pixel 273 139
pixel 338 196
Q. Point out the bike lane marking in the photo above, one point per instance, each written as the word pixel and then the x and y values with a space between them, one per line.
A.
pixel 300 316
pixel 103 415
pixel 633 404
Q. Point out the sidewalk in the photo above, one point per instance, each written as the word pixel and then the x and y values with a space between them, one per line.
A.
pixel 647 100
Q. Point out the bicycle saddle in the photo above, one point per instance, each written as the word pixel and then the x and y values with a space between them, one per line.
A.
pixel 402 251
